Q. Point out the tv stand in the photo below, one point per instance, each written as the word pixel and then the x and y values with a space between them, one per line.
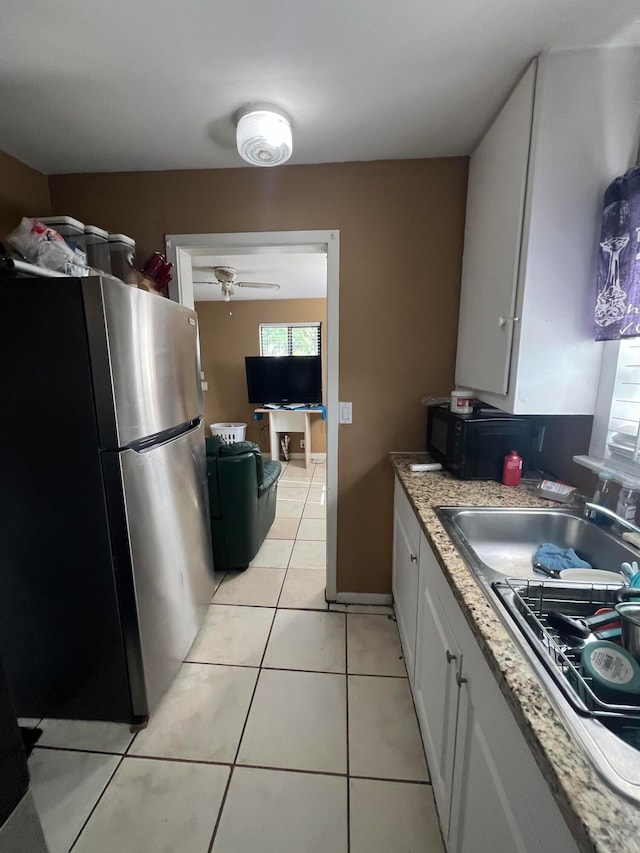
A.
pixel 290 420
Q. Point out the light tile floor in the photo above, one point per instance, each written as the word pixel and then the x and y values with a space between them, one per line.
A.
pixel 289 729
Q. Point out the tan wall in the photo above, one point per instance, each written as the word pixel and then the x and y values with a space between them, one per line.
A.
pixel 401 232
pixel 228 332
pixel 23 192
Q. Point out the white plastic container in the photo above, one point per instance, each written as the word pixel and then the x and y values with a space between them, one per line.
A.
pixel 97 242
pixel 461 402
pixel 122 250
pixel 628 501
pixel 71 229
pixel 229 432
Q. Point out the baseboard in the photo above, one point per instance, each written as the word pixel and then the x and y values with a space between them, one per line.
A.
pixel 364 598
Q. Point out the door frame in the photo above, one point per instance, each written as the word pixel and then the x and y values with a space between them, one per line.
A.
pixel 181 248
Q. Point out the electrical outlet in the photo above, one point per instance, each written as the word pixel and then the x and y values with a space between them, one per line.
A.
pixel 302 444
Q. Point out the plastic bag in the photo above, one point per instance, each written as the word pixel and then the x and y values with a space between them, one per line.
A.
pixel 44 247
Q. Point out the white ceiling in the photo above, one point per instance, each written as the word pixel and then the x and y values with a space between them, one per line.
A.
pixel 300 276
pixel 154 84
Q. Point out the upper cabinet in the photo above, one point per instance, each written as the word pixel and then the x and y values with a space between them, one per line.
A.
pixel 534 203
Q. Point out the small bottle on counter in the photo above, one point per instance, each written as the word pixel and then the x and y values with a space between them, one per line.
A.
pixel 512 469
pixel 627 502
pixel 603 497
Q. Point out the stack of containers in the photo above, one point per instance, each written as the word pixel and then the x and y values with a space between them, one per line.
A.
pixel 122 250
pixel 97 243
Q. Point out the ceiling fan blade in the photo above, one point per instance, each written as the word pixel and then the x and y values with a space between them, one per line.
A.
pixel 262 284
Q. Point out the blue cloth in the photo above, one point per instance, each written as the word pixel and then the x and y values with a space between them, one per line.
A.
pixel 559 558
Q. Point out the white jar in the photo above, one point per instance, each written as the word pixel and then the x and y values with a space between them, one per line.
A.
pixel 461 402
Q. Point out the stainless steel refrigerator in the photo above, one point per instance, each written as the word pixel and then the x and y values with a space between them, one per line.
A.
pixel 105 554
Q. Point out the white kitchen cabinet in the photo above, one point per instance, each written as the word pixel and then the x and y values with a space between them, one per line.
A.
pixel 406 543
pixel 534 203
pixel 435 691
pixel 491 795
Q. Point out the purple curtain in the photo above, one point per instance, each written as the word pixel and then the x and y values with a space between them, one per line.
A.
pixel 617 309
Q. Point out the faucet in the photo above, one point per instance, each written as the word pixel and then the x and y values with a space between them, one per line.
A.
pixel 590 508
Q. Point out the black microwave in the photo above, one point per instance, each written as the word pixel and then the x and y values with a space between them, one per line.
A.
pixel 473 446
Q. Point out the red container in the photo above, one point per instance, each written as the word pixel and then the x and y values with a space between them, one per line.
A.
pixel 512 469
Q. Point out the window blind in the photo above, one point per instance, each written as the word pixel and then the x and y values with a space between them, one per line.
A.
pixel 290 339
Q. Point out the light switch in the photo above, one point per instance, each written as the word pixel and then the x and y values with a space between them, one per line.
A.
pixel 345 413
pixel 204 386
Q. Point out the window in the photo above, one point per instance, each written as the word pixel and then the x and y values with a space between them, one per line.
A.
pixel 289 338
pixel 615 440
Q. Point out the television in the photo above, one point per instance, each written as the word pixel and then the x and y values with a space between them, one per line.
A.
pixel 284 379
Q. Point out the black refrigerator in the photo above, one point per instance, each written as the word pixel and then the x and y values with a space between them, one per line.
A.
pixel 105 546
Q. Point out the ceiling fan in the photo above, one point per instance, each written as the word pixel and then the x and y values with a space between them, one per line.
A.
pixel 226 278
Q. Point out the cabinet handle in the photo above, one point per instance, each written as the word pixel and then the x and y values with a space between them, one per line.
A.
pixel 460 680
pixel 451 657
pixel 414 559
pixel 502 321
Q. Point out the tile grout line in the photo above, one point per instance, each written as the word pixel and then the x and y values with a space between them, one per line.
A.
pixel 284 607
pixel 97 803
pixel 104 790
pixel 222 805
pixel 244 726
pixel 167 759
pixel 293 668
pixel 255 688
pixel 286 572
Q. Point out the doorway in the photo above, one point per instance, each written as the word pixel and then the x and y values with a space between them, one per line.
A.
pixel 185 250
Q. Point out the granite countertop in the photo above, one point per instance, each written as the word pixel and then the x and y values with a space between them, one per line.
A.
pixel 600 819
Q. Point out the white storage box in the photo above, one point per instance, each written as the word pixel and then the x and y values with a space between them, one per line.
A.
pixel 71 229
pixel 97 242
pixel 122 250
pixel 229 432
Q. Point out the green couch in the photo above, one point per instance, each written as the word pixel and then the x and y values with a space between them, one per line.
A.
pixel 242 501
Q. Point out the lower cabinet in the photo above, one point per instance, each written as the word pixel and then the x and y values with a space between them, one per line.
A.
pixel 435 690
pixel 406 543
pixel 491 795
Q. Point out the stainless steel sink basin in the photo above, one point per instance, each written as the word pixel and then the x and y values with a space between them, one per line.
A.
pixel 500 543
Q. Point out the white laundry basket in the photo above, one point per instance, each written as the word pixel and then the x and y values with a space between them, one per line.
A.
pixel 229 432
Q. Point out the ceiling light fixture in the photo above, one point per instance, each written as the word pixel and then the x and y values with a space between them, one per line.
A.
pixel 263 136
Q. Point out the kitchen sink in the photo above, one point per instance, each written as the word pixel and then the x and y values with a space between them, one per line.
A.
pixel 500 543
pixel 497 545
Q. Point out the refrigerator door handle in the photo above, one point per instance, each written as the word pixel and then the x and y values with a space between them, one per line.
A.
pixel 150 442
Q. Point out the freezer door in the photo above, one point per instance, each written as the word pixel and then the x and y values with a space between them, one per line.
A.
pixel 165 495
pixel 153 360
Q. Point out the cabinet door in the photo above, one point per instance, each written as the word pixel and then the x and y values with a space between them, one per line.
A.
pixel 482 820
pixel 492 239
pixel 436 692
pixel 484 776
pixel 406 531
